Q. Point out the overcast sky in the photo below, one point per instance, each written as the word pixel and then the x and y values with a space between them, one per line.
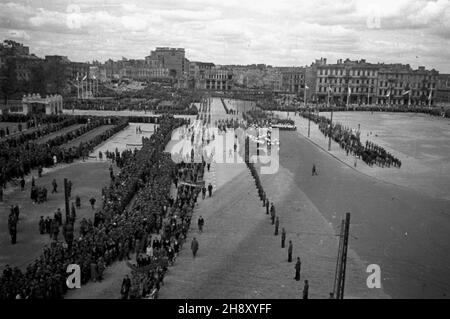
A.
pixel 276 32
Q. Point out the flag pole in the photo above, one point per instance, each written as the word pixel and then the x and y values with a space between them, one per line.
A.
pixel 304 97
pixel 331 120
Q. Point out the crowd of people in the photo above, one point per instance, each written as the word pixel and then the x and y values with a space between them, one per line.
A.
pixel 38 129
pixel 261 118
pixel 18 159
pixel 161 243
pixel 349 140
pixel 118 232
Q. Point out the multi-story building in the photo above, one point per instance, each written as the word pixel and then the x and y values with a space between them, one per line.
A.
pixel 293 79
pixel 172 59
pixel 18 56
pixel 352 80
pixel 399 84
pixel 360 82
pixel 443 91
pixel 218 79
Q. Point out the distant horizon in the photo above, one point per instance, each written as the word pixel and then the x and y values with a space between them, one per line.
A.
pixel 284 33
pixel 232 64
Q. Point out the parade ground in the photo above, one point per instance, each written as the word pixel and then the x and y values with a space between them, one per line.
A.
pixel 400 218
pixel 88 178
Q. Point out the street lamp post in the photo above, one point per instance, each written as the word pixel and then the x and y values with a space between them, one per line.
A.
pixel 309 121
pixel 331 119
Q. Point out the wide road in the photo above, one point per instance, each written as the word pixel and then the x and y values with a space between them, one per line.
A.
pixel 406 232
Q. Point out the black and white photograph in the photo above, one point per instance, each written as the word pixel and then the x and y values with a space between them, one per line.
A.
pixel 207 151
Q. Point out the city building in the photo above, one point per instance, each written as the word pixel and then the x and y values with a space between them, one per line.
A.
pixel 293 79
pixel 218 79
pixel 443 91
pixel 172 59
pixel 35 104
pixel 360 82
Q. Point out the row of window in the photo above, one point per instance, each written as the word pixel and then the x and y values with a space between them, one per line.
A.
pixel 323 89
pixel 411 85
pixel 351 72
pixel 343 81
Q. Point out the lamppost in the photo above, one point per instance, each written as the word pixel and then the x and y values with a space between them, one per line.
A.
pixel 331 119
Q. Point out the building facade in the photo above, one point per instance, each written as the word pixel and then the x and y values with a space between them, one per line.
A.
pixel 443 91
pixel 218 79
pixel 172 59
pixel 293 79
pixel 360 82
pixel 35 104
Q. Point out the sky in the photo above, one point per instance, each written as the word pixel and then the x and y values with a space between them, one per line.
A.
pixel 278 33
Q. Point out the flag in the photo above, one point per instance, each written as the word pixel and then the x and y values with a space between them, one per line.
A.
pixel 349 91
pixel 77 77
pixel 431 93
pixel 306 87
pixel 389 93
pixel 406 92
pixel 84 78
pixel 93 76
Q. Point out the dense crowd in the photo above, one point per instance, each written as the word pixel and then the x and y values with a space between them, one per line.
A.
pixel 17 160
pixel 260 118
pixel 118 232
pixel 167 227
pixel 349 140
pixel 37 132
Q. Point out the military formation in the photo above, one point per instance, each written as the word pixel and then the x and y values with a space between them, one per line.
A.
pixel 118 232
pixel 349 140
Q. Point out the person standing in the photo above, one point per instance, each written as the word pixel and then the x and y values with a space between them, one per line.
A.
pixel 290 248
pixel 277 225
pixel 272 214
pixel 203 192
pixel 194 247
pixel 200 223
pixel 267 206
pixel 92 201
pixel 210 189
pixel 12 227
pixel 298 267
pixel 314 170
pixel 42 225
pixel 22 184
pixel 55 186
pixel 306 289
pixel 283 237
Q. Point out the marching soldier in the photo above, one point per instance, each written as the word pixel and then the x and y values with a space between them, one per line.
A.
pixel 267 206
pixel 283 237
